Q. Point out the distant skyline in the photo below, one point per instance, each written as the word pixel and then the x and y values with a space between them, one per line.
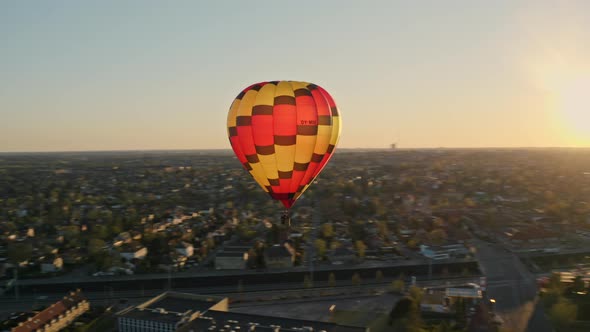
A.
pixel 154 75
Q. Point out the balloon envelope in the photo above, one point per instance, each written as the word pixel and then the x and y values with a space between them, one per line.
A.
pixel 283 133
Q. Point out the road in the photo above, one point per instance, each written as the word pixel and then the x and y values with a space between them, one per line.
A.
pixel 513 287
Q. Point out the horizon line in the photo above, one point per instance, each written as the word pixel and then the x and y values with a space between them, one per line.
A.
pixel 355 148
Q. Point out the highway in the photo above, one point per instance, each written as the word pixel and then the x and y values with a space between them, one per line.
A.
pixel 249 293
pixel 513 287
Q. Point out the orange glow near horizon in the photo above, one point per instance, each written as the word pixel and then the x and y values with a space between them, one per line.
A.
pixel 566 83
pixel 574 107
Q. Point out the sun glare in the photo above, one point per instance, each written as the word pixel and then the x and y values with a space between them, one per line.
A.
pixel 567 84
pixel 573 99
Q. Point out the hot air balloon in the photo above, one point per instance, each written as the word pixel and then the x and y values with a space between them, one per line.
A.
pixel 283 133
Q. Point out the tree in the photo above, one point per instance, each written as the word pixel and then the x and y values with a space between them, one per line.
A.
pixel 327 231
pixel 416 294
pixel 578 285
pixel 379 276
pixel 357 231
pixel 405 316
pixel 19 252
pixel 332 279
pixel 412 243
pixel 382 229
pixel 335 244
pixel 356 279
pixel 563 313
pixel 320 247
pixel 401 309
pixel 360 248
pixel 397 286
pixel 469 202
pixel 95 246
pixel 443 327
pixel 554 283
pixel 104 261
pixel 437 236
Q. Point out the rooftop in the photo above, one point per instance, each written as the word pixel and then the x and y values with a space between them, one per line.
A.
pixel 170 307
pixel 182 302
pixel 216 320
pixel 40 319
pixel 152 315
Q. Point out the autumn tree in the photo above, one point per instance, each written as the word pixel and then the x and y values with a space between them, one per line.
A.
pixel 327 231
pixel 19 252
pixel 320 247
pixel 356 279
pixel 563 313
pixel 397 286
pixel 332 279
pixel 360 248
pixel 379 276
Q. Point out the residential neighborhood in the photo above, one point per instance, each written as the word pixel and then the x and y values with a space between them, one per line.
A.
pixel 92 216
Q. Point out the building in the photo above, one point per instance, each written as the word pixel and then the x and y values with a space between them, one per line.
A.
pixel 133 251
pixel 185 249
pixel 172 311
pixel 167 312
pixel 342 255
pixel 57 316
pixel 214 320
pixel 52 264
pixel 232 258
pixel 444 252
pixel 123 237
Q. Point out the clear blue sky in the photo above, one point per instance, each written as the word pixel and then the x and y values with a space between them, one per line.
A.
pixel 112 75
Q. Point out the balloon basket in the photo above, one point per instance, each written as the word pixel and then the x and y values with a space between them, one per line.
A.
pixel 286 218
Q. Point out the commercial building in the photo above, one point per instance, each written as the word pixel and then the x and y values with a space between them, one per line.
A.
pixel 167 312
pixel 213 320
pixel 172 311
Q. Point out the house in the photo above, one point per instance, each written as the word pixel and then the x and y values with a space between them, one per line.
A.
pixel 52 264
pixel 342 255
pixel 57 316
pixel 122 238
pixel 278 257
pixel 71 256
pixel 225 260
pixel 133 251
pixel 185 249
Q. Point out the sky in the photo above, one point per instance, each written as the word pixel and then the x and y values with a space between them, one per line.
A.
pixel 126 75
